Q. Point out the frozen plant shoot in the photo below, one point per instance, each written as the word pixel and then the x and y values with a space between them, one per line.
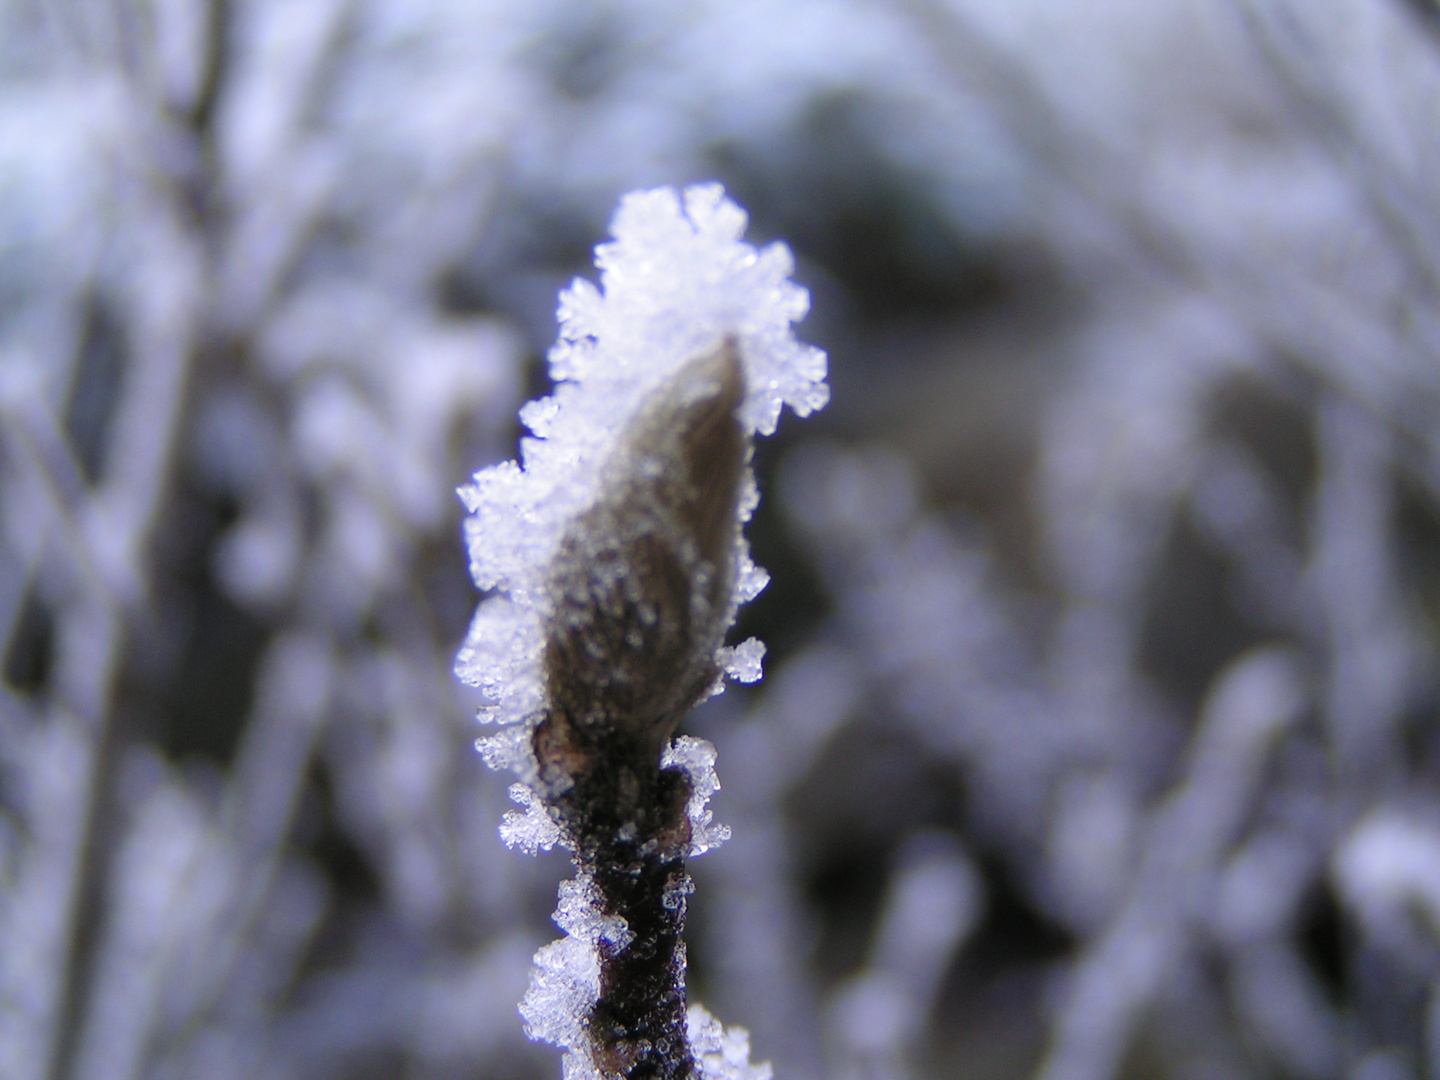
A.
pixel 616 554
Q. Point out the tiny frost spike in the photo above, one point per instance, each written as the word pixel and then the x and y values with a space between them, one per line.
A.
pixel 616 560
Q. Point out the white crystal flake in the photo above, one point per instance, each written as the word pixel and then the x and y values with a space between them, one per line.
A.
pixel 581 916
pixel 532 830
pixel 743 662
pixel 750 580
pixel 721 1053
pixel 565 982
pixel 564 986
pixel 508 748
pixel 697 758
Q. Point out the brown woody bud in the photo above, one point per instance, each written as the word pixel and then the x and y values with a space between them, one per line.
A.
pixel 642 586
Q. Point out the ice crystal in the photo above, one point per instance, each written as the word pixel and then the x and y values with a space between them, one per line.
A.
pixel 533 829
pixel 697 758
pixel 722 1053
pixel 564 986
pixel 565 982
pixel 743 662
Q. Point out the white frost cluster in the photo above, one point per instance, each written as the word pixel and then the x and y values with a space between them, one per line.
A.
pixel 722 1053
pixel 532 829
pixel 565 982
pixel 697 758
pixel 676 279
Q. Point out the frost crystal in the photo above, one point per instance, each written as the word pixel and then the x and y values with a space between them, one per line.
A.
pixel 565 983
pixel 721 1053
pixel 533 830
pixel 676 280
pixel 697 758
pixel 743 662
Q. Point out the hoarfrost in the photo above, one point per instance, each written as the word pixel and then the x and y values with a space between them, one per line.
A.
pixel 722 1053
pixel 532 830
pixel 697 758
pixel 564 986
pixel 743 662
pixel 565 982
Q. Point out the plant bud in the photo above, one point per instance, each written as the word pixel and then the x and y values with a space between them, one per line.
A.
pixel 642 587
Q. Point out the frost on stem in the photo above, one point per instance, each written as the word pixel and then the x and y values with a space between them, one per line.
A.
pixel 617 559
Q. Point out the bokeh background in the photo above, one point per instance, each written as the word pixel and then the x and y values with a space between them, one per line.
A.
pixel 1099 736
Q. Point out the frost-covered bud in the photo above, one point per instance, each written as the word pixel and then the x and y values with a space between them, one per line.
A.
pixel 642 587
pixel 635 476
pixel 618 561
